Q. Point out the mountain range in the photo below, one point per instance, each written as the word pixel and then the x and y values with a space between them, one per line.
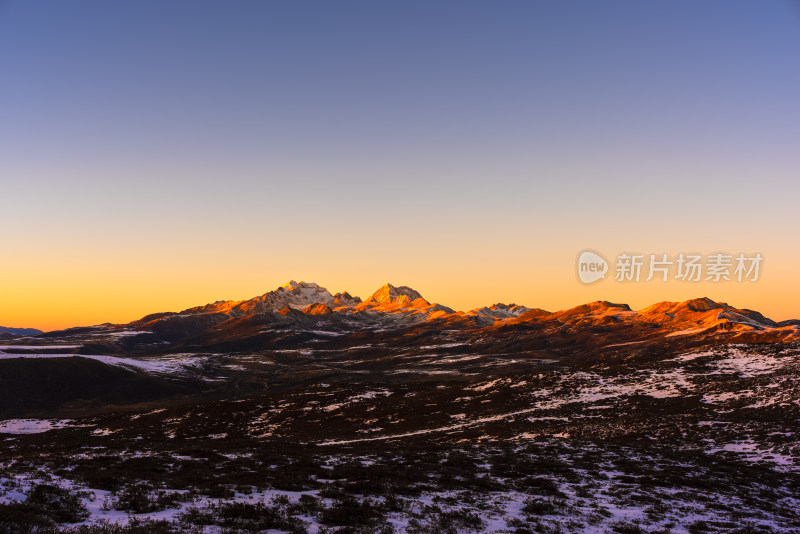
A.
pixel 298 313
pixel 299 307
pixel 300 410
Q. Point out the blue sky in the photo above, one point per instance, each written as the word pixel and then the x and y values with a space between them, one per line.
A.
pixel 342 135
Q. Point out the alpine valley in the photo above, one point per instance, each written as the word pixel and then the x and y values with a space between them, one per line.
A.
pixel 302 410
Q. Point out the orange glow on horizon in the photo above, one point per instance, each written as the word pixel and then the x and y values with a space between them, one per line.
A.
pixel 99 301
pixel 87 280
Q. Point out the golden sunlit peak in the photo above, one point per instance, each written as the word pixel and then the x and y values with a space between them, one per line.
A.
pixel 388 294
pixel 291 285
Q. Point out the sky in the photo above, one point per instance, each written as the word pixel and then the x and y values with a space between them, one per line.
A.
pixel 160 155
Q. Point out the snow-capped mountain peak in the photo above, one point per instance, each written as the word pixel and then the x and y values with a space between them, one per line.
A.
pixel 404 301
pixel 307 290
pixel 389 294
pixel 294 295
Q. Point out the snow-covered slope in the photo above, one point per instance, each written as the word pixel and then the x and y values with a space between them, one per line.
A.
pixel 499 311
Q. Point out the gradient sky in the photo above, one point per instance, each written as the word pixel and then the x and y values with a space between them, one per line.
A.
pixel 160 155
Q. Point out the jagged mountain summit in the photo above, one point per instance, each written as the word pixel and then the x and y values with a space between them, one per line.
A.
pixel 389 295
pixel 294 295
pixel 313 299
pixel 402 300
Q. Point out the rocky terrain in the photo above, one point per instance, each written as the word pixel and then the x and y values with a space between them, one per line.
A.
pixel 306 411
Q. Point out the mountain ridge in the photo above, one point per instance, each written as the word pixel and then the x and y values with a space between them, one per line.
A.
pixel 299 312
pixel 311 298
pixel 20 331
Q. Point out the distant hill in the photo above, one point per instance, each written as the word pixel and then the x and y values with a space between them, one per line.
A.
pixel 19 331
